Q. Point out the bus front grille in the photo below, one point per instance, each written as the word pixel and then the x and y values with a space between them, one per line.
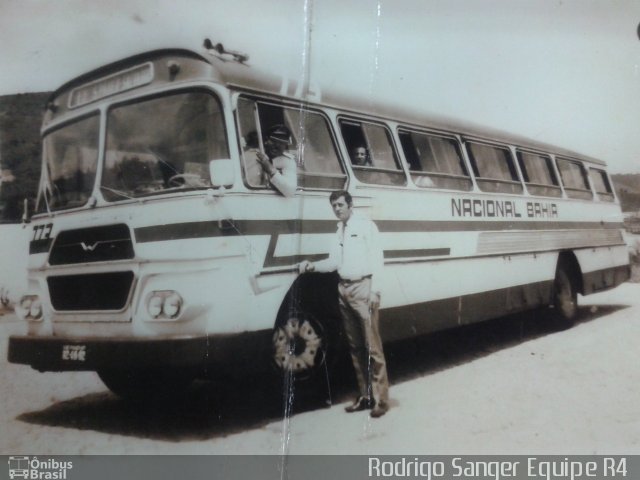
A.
pixel 98 291
pixel 95 244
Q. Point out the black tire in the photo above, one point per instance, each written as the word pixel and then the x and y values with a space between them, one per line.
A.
pixel 148 384
pixel 565 299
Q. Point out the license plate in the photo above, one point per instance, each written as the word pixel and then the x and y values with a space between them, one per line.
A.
pixel 74 353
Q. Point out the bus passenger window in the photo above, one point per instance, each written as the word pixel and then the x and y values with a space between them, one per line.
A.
pixel 381 166
pixel 434 161
pixel 601 184
pixel 574 179
pixel 494 168
pixel 319 165
pixel 538 174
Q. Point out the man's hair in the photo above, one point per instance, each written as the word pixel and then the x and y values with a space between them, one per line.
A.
pixel 341 193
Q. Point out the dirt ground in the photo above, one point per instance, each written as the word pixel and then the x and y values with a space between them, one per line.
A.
pixel 509 386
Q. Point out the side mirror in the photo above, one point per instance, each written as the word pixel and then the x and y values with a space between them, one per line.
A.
pixel 222 172
pixel 26 217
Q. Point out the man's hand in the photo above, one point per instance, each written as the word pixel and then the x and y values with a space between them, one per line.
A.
pixel 265 163
pixel 305 266
pixel 374 300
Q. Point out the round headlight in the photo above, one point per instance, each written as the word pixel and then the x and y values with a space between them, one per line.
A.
pixel 23 307
pixel 154 307
pixel 172 305
pixel 25 303
pixel 35 309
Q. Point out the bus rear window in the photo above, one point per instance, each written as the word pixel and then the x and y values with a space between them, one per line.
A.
pixel 494 168
pixel 538 174
pixel 434 161
pixel 601 184
pixel 574 179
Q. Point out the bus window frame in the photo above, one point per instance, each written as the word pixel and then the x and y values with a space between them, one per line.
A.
pixel 552 169
pixel 236 95
pixel 585 176
pixel 479 181
pixel 401 128
pixel 608 196
pixel 349 117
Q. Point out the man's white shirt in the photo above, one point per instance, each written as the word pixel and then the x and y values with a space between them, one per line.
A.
pixel 355 251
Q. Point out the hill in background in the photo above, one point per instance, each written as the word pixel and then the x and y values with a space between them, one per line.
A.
pixel 628 189
pixel 20 122
pixel 20 153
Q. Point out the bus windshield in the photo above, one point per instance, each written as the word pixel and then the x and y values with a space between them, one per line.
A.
pixel 70 159
pixel 162 144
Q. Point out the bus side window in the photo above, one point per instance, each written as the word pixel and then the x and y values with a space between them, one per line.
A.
pixel 494 168
pixel 383 166
pixel 574 179
pixel 538 174
pixel 318 164
pixel 601 184
pixel 434 161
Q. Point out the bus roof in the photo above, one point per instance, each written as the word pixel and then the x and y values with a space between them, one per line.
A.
pixel 239 75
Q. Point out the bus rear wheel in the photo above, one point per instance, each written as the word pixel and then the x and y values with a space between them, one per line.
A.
pixel 565 299
pixel 147 384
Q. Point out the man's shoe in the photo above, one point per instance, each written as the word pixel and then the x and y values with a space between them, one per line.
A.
pixel 379 410
pixel 361 403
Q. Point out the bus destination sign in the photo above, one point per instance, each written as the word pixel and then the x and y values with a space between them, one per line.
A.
pixel 107 86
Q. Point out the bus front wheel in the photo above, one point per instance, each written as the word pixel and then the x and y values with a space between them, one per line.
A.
pixel 565 298
pixel 299 346
pixel 303 351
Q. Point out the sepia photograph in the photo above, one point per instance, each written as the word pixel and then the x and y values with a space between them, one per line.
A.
pixel 319 227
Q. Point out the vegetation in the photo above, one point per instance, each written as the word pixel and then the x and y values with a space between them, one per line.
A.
pixel 20 121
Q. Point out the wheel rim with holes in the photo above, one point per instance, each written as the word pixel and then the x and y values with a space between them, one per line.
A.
pixel 298 347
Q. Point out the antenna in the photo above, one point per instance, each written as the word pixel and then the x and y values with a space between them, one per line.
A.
pixel 220 50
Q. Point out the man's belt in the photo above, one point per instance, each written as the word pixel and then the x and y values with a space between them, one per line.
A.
pixel 349 281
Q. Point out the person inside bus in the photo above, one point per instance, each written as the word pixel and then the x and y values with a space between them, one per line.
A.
pixel 278 166
pixel 356 254
pixel 360 157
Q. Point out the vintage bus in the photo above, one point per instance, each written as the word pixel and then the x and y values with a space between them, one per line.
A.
pixel 159 253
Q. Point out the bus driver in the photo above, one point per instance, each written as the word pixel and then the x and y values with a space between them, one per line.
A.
pixel 278 166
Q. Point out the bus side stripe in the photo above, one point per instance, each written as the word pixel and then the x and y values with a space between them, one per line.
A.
pixel 179 231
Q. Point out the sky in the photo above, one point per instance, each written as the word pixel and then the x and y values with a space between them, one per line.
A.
pixel 565 72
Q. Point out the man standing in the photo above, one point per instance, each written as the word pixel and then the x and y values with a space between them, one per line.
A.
pixel 357 256
pixel 278 166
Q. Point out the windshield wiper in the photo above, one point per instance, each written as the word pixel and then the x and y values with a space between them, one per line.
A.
pixel 117 192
